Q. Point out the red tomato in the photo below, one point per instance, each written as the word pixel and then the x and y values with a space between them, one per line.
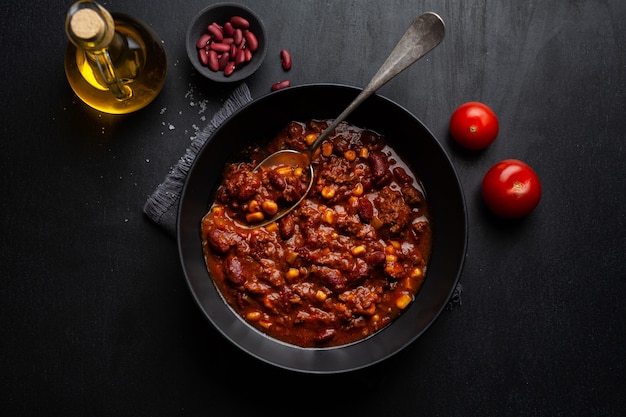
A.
pixel 511 189
pixel 474 125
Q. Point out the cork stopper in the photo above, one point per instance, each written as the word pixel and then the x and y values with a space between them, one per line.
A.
pixel 87 24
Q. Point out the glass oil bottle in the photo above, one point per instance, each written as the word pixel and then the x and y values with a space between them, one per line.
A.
pixel 114 63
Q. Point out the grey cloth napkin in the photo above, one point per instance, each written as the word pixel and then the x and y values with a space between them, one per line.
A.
pixel 162 206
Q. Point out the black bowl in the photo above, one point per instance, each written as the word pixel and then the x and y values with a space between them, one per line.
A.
pixel 261 120
pixel 220 13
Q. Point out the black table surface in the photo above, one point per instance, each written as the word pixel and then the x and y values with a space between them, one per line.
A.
pixel 96 316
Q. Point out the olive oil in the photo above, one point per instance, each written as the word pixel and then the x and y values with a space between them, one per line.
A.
pixel 114 63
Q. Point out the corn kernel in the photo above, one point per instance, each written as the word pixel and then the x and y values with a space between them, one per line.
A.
pixel 395 244
pixel 292 273
pixel 376 223
pixel 272 227
pixel 416 273
pixel 390 250
pixel 269 207
pixel 376 317
pixel 403 301
pixel 255 217
pixel 291 256
pixel 254 206
pixel 253 315
pixel 327 149
pixel 310 138
pixel 284 171
pixel 364 152
pixel 391 258
pixel 350 155
pixel 328 192
pixel 328 216
pixel 217 210
pixel 358 189
pixel 317 153
pixel 265 324
pixel 358 250
pixel 320 295
pixel 298 172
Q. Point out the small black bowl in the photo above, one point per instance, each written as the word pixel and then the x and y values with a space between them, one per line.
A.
pixel 263 119
pixel 221 13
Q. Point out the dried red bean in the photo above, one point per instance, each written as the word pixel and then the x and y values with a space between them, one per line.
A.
pixel 204 57
pixel 213 63
pixel 203 41
pixel 240 58
pixel 238 36
pixel 223 61
pixel 251 40
pixel 280 85
pixel 239 22
pixel 216 32
pixel 220 47
pixel 229 30
pixel 229 69
pixel 285 59
pixel 248 55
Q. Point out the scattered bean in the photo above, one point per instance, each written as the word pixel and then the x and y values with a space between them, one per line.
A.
pixel 280 85
pixel 285 59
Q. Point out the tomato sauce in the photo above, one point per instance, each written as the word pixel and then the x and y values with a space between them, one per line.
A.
pixel 342 265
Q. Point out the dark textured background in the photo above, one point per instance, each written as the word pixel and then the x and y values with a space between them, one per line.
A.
pixel 95 315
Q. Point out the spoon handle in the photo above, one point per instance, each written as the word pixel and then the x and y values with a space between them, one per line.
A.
pixel 426 32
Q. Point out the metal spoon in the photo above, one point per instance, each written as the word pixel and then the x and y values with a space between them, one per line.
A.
pixel 424 34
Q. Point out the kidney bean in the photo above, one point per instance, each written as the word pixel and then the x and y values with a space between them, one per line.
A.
pixel 229 69
pixel 280 85
pixel 220 47
pixel 239 22
pixel 213 63
pixel 365 209
pixel 204 57
pixel 235 271
pixel 325 335
pixel 216 32
pixel 251 40
pixel 203 41
pixel 285 59
pixel 248 55
pixel 378 164
pixel 240 57
pixel 223 61
pixel 401 176
pixel 237 36
pixel 229 30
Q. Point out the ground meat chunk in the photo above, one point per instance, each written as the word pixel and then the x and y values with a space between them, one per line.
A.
pixel 393 212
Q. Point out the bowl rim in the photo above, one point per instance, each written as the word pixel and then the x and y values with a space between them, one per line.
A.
pixel 364 353
pixel 241 73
